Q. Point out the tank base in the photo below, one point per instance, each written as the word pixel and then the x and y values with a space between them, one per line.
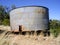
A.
pixel 37 33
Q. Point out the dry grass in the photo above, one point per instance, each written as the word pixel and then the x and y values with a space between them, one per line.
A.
pixel 8 38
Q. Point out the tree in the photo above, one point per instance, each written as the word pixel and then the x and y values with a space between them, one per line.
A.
pixel 54 24
pixel 55 27
pixel 2 12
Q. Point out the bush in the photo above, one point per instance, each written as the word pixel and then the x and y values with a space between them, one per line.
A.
pixel 6 22
pixel 55 32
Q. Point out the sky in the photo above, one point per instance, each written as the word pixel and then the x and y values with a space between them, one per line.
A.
pixel 53 5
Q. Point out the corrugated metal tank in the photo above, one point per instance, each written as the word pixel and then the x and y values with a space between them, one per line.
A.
pixel 30 18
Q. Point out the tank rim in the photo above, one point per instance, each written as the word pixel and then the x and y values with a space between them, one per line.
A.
pixel 30 6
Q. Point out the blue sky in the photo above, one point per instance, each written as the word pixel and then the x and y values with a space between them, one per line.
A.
pixel 53 5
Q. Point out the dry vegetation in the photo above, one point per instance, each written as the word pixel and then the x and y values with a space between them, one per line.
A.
pixel 8 38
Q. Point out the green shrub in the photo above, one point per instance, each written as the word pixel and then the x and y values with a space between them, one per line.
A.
pixel 6 22
pixel 55 32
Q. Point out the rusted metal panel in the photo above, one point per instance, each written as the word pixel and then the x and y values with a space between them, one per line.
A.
pixel 31 18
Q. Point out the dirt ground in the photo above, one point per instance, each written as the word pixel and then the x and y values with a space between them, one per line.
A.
pixel 8 38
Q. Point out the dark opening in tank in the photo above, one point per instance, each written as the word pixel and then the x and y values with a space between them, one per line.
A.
pixel 20 28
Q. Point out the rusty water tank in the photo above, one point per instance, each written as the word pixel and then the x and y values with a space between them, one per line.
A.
pixel 31 18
